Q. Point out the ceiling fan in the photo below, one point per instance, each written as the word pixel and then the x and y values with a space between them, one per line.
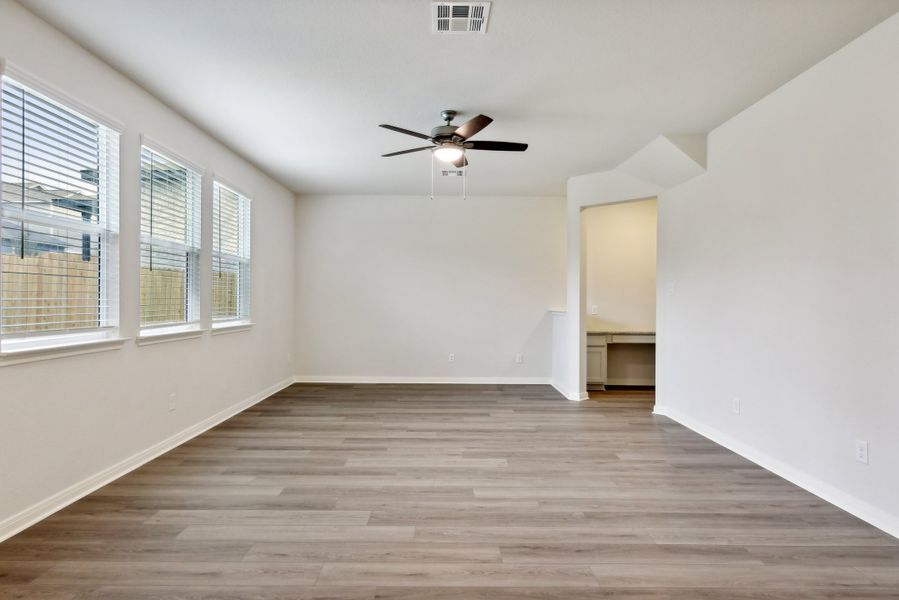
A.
pixel 449 143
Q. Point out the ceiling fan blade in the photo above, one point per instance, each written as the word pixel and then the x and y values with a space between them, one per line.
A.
pixel 460 162
pixel 408 151
pixel 501 146
pixel 472 126
pixel 406 131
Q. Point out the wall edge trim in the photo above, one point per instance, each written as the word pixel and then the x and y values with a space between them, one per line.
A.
pixel 422 380
pixel 573 396
pixel 853 505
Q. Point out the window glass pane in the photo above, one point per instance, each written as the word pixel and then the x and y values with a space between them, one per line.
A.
pixel 51 158
pixel 50 279
pixel 164 285
pixel 225 288
pixel 226 226
pixel 166 196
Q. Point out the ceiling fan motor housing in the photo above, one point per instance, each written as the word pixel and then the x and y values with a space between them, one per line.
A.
pixel 443 132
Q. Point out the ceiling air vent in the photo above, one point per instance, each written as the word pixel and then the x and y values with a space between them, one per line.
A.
pixel 460 17
pixel 452 172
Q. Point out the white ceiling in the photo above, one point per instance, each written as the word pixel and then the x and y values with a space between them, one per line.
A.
pixel 299 86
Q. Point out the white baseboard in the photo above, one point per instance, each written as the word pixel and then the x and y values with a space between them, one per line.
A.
pixel 43 509
pixel 575 396
pixel 559 388
pixel 440 380
pixel 421 380
pixel 863 510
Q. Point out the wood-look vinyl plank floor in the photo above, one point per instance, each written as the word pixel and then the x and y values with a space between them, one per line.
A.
pixel 418 492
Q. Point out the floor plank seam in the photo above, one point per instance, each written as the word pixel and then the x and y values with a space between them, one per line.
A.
pixel 475 492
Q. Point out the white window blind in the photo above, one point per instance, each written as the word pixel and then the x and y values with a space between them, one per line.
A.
pixel 170 241
pixel 58 219
pixel 230 255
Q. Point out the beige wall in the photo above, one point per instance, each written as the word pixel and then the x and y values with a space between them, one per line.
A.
pixel 389 286
pixel 621 266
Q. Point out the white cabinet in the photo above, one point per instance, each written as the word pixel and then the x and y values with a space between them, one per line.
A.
pixel 598 345
pixel 597 360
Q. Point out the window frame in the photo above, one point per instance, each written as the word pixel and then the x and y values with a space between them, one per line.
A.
pixel 239 322
pixel 36 345
pixel 194 309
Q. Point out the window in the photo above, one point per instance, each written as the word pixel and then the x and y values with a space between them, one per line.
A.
pixel 58 222
pixel 230 255
pixel 169 241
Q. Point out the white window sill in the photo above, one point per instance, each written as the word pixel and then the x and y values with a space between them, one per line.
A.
pixel 231 327
pixel 169 334
pixel 59 350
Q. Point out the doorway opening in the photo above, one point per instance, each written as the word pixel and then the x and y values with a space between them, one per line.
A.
pixel 619 289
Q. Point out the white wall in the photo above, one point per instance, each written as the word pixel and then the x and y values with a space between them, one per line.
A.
pixel 389 286
pixel 621 266
pixel 68 419
pixel 779 281
pixel 560 352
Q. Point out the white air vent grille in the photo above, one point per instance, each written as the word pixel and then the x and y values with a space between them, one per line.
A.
pixel 460 17
pixel 452 173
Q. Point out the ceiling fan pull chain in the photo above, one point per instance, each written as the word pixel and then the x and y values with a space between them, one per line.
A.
pixel 432 175
pixel 464 180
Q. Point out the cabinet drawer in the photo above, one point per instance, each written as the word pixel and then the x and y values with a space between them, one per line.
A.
pixel 629 338
pixel 594 341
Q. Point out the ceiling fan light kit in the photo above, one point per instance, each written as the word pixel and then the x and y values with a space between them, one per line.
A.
pixel 448 152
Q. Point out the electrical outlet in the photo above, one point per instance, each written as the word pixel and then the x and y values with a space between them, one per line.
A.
pixel 452 357
pixel 519 358
pixel 735 405
pixel 594 310
pixel 172 404
pixel 861 451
